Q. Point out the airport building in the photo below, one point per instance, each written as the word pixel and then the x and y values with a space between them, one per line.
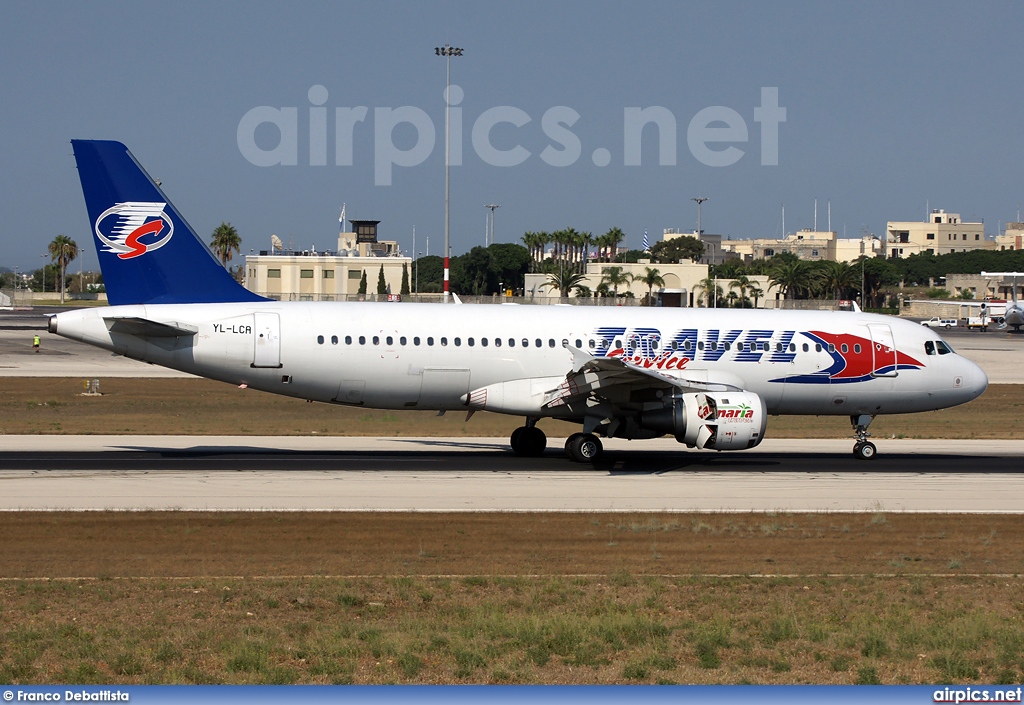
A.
pixel 308 275
pixel 811 245
pixel 941 234
pixel 1012 238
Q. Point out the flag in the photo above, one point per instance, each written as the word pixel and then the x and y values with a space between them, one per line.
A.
pixel 647 243
pixel 341 218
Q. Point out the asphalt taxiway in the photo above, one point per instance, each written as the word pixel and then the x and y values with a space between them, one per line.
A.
pixel 481 474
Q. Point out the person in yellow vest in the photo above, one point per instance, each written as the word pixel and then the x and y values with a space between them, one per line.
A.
pixel 35 343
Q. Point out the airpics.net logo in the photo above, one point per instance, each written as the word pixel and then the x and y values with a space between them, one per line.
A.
pixel 716 136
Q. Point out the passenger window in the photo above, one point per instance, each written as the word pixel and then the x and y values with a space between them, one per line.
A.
pixel 856 348
pixel 579 343
pixel 526 343
pixel 511 342
pixel 348 340
pixel 565 343
pixel 714 345
pixel 845 348
pixel 497 342
pixel 320 339
pixel 334 340
pixel 929 347
pixel 792 347
pixel 458 342
pixel 402 341
pixel 618 343
pixel 806 347
pixel 654 345
pixel 483 342
pixel 444 341
pixel 376 340
pixel 469 342
pixel 686 345
pixel 430 341
pixel 592 344
pixel 766 347
pixel 700 345
pixel 390 340
pixel 362 340
pixel 551 342
pixel 778 347
pixel 415 340
pixel 817 347
pixel 831 348
pixel 539 343
pixel 725 346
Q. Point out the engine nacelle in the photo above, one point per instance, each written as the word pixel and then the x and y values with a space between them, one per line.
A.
pixel 718 420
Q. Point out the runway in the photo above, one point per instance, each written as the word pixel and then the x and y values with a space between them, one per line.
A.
pixel 481 474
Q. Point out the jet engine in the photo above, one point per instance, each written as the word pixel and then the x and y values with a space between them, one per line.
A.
pixel 718 420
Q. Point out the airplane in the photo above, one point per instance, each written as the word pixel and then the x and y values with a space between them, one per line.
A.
pixel 708 377
pixel 1014 315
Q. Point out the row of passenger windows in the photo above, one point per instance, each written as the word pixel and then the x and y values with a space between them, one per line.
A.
pixel 686 346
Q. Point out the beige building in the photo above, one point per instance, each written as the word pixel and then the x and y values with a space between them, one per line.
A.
pixel 808 245
pixel 941 234
pixel 329 276
pixel 1012 238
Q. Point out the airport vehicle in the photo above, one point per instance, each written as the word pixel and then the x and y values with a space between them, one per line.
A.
pixel 937 322
pixel 709 377
pixel 978 323
pixel 1014 315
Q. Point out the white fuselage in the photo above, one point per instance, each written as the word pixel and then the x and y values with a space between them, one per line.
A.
pixel 430 356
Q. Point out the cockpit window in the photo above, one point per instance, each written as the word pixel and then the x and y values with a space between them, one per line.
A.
pixel 943 348
pixel 929 347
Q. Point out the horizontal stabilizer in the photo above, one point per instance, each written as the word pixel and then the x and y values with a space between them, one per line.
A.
pixel 145 328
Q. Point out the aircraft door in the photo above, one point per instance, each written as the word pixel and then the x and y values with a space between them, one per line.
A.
pixel 266 340
pixel 883 349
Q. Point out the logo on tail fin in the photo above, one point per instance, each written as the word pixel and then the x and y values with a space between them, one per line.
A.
pixel 139 227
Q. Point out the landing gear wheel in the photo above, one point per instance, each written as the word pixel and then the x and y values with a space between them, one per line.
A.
pixel 864 450
pixel 584 447
pixel 528 442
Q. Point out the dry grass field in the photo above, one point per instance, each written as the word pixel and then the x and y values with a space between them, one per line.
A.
pixel 203 407
pixel 523 598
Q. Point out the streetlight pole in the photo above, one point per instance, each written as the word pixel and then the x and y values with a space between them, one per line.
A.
pixel 699 200
pixel 448 52
pixel 44 272
pixel 492 206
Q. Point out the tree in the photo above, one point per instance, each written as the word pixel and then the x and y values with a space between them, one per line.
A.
pixel 609 243
pixel 756 292
pixel 677 249
pixel 615 277
pixel 225 240
pixel 743 283
pixel 839 278
pixel 652 278
pixel 789 276
pixel 405 279
pixel 712 292
pixel 362 284
pixel 564 281
pixel 382 283
pixel 62 251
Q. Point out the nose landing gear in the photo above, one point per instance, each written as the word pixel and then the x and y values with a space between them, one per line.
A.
pixel 863 449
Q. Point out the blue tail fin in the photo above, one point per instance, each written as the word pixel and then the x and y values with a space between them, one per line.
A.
pixel 147 252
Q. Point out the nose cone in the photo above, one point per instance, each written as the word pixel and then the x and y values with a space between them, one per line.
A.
pixel 975 381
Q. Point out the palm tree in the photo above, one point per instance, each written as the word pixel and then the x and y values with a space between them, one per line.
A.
pixel 564 280
pixel 789 276
pixel 838 278
pixel 62 251
pixel 652 278
pixel 586 240
pixel 743 283
pixel 615 277
pixel 712 291
pixel 756 292
pixel 225 240
pixel 615 236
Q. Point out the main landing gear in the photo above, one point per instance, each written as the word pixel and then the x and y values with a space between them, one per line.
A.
pixel 583 447
pixel 528 441
pixel 863 449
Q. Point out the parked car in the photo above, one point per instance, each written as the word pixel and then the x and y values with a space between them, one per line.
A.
pixel 937 322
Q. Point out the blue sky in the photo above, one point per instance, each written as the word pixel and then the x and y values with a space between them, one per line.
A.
pixel 889 108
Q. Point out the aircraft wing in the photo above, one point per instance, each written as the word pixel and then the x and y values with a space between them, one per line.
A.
pixel 599 375
pixel 145 328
